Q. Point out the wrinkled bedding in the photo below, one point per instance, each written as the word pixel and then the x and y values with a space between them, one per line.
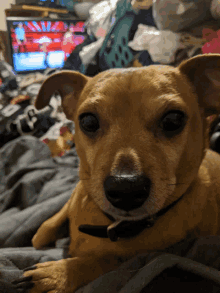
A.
pixel 34 186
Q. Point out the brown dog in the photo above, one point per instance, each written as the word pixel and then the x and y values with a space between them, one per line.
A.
pixel 147 178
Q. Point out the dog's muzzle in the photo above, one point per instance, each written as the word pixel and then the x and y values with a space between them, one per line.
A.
pixel 127 192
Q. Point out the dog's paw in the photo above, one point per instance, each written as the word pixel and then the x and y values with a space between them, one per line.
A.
pixel 50 277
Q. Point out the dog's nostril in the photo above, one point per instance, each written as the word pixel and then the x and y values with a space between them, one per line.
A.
pixel 127 192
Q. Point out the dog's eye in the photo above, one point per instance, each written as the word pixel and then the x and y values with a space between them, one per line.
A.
pixel 173 123
pixel 89 122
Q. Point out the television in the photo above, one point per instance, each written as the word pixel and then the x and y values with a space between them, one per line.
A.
pixel 46 3
pixel 40 43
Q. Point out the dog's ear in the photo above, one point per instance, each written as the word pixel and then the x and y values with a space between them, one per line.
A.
pixel 204 73
pixel 69 84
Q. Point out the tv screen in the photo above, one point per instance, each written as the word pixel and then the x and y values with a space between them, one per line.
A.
pixel 37 44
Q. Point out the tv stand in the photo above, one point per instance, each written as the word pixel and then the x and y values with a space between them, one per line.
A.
pixel 30 10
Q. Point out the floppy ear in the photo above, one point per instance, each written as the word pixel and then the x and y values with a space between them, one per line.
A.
pixel 69 84
pixel 204 73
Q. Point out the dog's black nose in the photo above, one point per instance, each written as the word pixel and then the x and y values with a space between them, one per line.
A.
pixel 127 192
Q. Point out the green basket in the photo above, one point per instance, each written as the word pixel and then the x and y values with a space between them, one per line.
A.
pixel 115 52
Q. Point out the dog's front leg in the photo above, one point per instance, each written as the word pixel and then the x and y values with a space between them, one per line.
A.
pixel 66 275
pixel 47 233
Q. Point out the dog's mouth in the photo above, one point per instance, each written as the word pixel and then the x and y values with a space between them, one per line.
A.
pixel 124 228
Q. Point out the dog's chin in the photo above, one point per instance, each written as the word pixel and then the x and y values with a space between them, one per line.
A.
pixel 147 210
pixel 116 213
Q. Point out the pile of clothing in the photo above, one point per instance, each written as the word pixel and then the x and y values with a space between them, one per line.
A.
pixel 149 32
pixel 19 117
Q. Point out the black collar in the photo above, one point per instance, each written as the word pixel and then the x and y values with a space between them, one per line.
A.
pixel 124 228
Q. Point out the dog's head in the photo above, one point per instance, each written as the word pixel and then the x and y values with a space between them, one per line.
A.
pixel 140 133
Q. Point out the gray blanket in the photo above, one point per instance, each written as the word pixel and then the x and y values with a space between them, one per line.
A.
pixel 34 186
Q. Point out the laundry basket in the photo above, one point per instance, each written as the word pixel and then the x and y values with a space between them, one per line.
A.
pixel 115 52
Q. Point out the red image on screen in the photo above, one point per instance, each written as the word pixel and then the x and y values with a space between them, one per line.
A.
pixel 48 37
